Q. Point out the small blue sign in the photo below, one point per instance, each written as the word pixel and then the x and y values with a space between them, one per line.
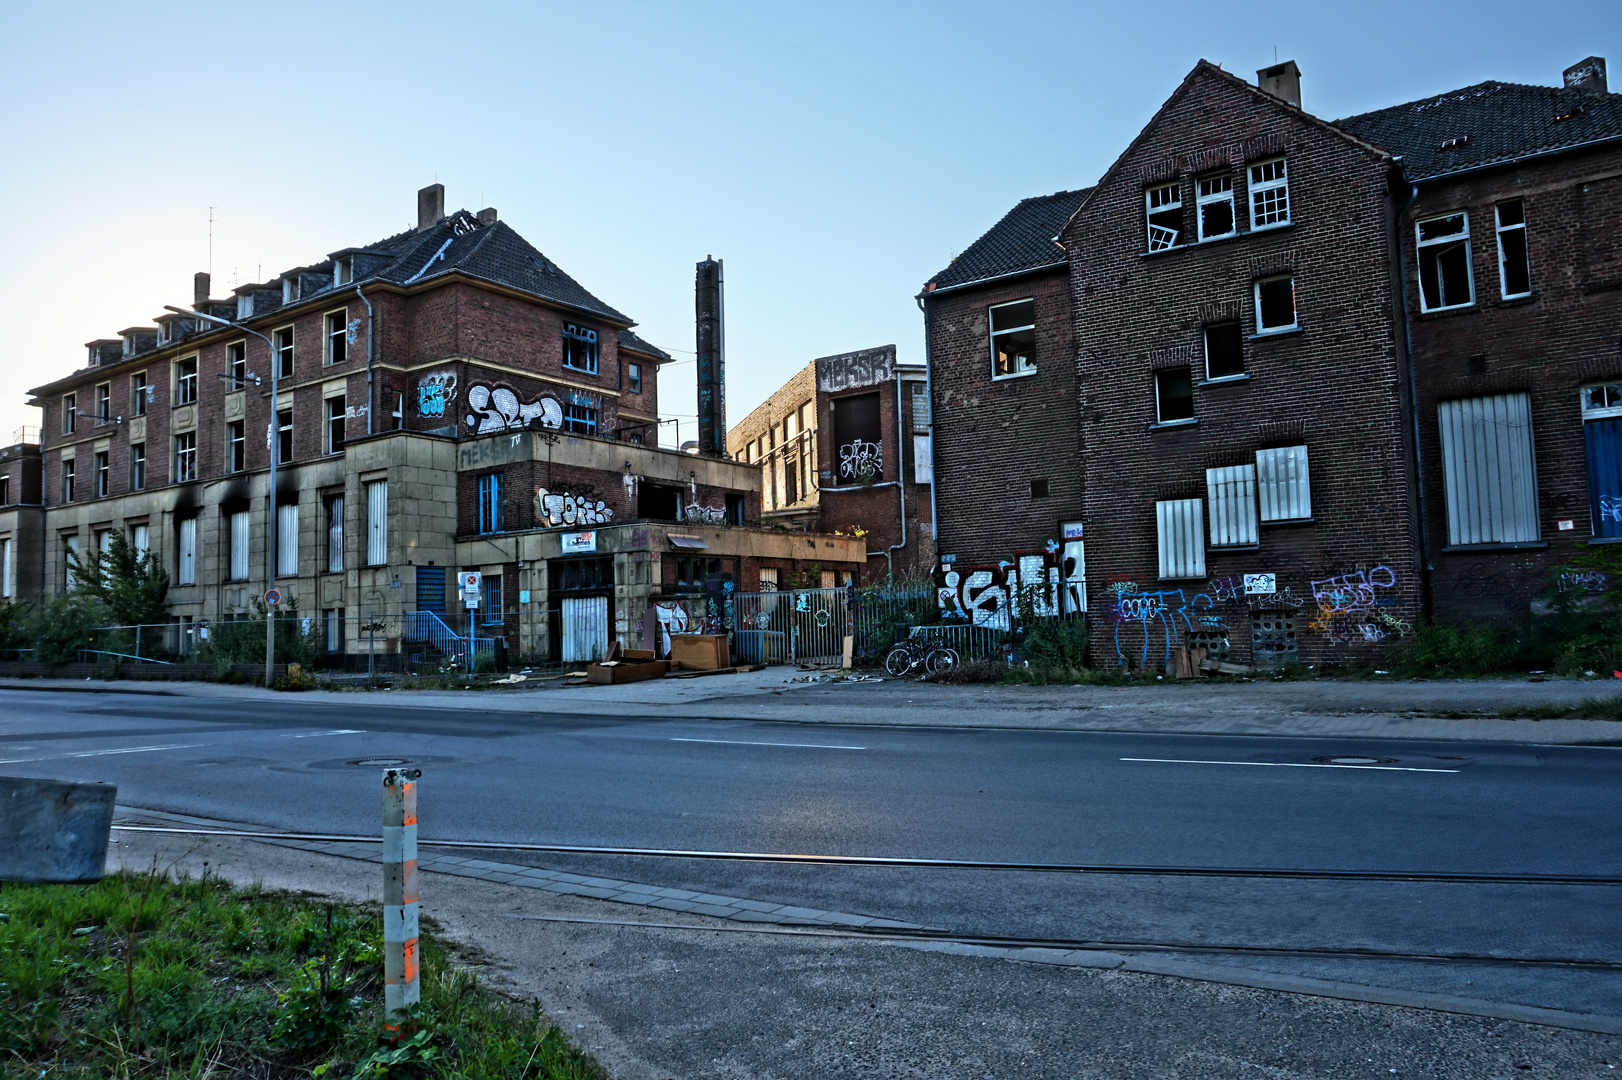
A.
pixel 272 597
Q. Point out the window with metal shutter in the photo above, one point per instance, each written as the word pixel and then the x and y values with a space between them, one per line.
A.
pixel 287 539
pixel 239 545
pixel 377 522
pixel 1489 470
pixel 1182 538
pixel 1233 505
pixel 1284 483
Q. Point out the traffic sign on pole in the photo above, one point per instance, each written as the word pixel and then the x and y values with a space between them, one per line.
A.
pixel 272 597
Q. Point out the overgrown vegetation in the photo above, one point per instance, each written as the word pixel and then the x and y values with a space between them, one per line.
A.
pixel 241 640
pixel 145 976
pixel 129 584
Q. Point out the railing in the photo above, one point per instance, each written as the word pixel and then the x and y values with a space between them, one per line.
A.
pixel 119 657
pixel 428 627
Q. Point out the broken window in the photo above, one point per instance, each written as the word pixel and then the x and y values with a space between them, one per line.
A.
pixel 1269 194
pixel 1444 262
pixel 67 479
pixel 1489 470
pixel 102 471
pixel 236 360
pixel 137 466
pixel 1039 489
pixel 1224 351
pixel 1514 267
pixel 236 446
pixel 104 401
pixel 336 414
pixel 186 381
pixel 337 336
pixel 1284 483
pixel 1214 200
pixel 1013 338
pixel 633 378
pixel 284 352
pixel 140 392
pixel 1181 529
pixel 1232 491
pixel 397 414
pixel 1174 396
pixel 1275 304
pixel 284 436
pixel 70 412
pixel 579 348
pixel 580 419
pixel 185 457
pixel 1164 205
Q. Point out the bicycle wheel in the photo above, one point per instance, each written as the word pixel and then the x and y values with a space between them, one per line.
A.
pixel 898 661
pixel 941 658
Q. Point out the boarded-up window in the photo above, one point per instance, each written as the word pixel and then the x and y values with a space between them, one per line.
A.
pixel 186 553
pixel 286 539
pixel 239 545
pixel 1233 505
pixel 1283 483
pixel 858 441
pixel 377 522
pixel 1489 470
pixel 1182 538
pixel 923 460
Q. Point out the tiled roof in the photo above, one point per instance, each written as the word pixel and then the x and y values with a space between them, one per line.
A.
pixel 1486 124
pixel 493 253
pixel 1022 240
pixel 630 341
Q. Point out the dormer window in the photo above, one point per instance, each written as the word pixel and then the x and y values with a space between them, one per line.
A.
pixel 343 271
pixel 579 348
pixel 289 290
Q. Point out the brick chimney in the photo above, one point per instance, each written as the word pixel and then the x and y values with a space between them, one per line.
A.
pixel 1587 75
pixel 430 207
pixel 1282 81
pixel 199 290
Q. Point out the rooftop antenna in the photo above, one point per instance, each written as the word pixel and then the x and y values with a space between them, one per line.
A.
pixel 1275 54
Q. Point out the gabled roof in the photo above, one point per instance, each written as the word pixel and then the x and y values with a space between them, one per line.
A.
pixel 1487 124
pixel 493 253
pixel 1022 240
pixel 630 341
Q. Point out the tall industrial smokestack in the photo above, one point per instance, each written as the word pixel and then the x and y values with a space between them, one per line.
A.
pixel 710 307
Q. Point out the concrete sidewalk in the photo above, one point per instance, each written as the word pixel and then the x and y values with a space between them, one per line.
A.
pixel 658 993
pixel 1425 710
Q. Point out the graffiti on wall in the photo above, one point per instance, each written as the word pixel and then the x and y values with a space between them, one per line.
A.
pixel 553 508
pixel 500 410
pixel 848 371
pixel 435 392
pixel 672 620
pixel 1049 581
pixel 1147 626
pixel 1350 607
pixel 699 514
pixel 859 460
pixel 1582 581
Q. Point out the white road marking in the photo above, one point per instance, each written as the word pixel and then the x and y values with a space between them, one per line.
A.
pixel 318 734
pixel 103 753
pixel 742 742
pixel 1286 764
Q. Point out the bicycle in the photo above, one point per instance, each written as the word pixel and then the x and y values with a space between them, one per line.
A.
pixel 911 653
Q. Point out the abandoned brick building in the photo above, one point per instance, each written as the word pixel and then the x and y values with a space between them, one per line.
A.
pixel 843 448
pixel 1323 379
pixel 447 400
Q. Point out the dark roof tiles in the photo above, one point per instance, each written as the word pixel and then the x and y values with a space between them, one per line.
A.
pixel 1487 124
pixel 1022 240
pixel 630 341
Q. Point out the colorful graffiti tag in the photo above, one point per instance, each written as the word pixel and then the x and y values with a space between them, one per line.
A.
pixel 500 410
pixel 435 392
pixel 1049 580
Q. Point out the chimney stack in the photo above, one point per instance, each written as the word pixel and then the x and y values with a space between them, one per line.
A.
pixel 709 305
pixel 199 290
pixel 1587 75
pixel 1283 81
pixel 487 216
pixel 430 207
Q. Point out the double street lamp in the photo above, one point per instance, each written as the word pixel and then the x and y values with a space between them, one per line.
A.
pixel 270 439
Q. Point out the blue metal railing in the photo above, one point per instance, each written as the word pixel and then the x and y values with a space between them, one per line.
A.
pixel 428 627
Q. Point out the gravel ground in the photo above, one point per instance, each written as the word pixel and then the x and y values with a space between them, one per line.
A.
pixel 656 1003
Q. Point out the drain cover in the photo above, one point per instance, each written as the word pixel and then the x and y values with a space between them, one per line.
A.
pixel 1355 760
pixel 383 762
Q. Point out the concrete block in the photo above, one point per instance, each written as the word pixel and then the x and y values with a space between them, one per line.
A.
pixel 52 832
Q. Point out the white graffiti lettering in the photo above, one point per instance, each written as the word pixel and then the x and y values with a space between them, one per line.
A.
pixel 564 508
pixel 860 460
pixel 500 410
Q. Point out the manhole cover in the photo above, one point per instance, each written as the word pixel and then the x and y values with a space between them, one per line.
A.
pixel 383 762
pixel 1355 760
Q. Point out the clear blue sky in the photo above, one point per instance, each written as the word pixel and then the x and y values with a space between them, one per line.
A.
pixel 835 155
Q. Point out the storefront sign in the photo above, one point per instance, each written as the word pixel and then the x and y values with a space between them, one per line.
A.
pixel 576 543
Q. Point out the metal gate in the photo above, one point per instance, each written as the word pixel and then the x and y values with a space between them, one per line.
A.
pixel 806 626
pixel 584 621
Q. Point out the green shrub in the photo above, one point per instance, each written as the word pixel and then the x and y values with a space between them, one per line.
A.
pixel 1441 652
pixel 63 624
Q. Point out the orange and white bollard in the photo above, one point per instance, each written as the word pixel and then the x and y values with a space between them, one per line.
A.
pixel 401 968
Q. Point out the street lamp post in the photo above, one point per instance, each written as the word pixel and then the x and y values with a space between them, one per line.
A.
pixel 270 532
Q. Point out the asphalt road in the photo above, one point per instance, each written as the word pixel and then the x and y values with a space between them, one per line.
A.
pixel 943 793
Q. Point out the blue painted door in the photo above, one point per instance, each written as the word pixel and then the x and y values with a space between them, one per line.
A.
pixel 431 588
pixel 1605 475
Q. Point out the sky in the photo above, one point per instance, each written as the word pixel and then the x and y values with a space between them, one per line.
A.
pixel 834 155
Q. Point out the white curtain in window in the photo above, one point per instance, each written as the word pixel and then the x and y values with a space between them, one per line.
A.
pixel 140 538
pixel 186 557
pixel 1286 490
pixel 1182 538
pixel 239 546
pixel 335 534
pixel 1489 470
pixel 1233 505
pixel 286 539
pixel 377 522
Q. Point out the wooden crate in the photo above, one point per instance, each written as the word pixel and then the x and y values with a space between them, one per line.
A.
pixel 614 672
pixel 699 652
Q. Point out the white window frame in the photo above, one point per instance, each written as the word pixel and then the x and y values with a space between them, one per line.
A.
pixel 1452 238
pixel 185 454
pixel 104 401
pixel 1601 401
pixel 1027 364
pixel 285 351
pixel 1526 249
pixel 140 393
pixel 276 446
pixel 236 364
pixel 287 539
pixel 184 380
pixel 138 466
pixel 1205 344
pixel 377 522
pixel 1232 494
pixel 341 421
pixel 1168 203
pixel 141 539
pixel 102 462
pixel 70 478
pixel 1295 306
pixel 70 412
pixel 330 337
pixel 239 524
pixel 186 552
pixel 236 437
pixel 1160 421
pixel 1221 194
pixel 1268 193
pixel 1284 484
pixel 1180 529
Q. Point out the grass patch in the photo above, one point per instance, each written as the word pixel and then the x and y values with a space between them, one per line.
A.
pixel 1594 708
pixel 142 975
